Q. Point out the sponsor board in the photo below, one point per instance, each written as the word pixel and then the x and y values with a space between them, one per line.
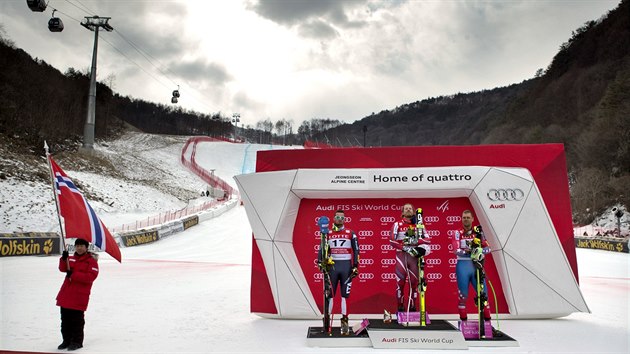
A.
pixel 190 222
pixel 29 246
pixel 602 244
pixel 135 239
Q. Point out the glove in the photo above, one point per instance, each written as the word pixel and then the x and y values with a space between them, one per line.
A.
pixel 354 272
pixel 477 229
pixel 418 251
pixel 476 242
pixel 64 255
pixel 68 273
pixel 477 257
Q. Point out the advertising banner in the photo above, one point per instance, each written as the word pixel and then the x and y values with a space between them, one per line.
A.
pixel 139 238
pixel 602 244
pixel 372 219
pixel 29 244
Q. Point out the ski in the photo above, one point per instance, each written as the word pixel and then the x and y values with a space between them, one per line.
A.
pixel 325 262
pixel 476 255
pixel 422 284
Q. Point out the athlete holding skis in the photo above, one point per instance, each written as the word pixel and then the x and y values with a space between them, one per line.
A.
pixel 410 243
pixel 469 240
pixel 344 251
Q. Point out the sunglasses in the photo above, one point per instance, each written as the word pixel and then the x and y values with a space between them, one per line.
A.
pixel 337 217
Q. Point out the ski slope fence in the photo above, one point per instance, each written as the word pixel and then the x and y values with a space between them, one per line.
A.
pixel 188 160
pixel 191 164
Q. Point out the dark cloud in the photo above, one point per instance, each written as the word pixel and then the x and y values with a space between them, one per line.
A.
pixel 317 29
pixel 312 18
pixel 200 71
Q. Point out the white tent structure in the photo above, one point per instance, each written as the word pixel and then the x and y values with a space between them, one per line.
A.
pixel 507 201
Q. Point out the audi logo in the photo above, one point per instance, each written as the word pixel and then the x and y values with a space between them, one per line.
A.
pixel 318 233
pixel 388 261
pixel 435 247
pixel 434 276
pixel 366 247
pixel 505 194
pixel 347 219
pixel 386 247
pixel 451 232
pixel 452 261
pixel 318 276
pixel 433 261
pixel 364 276
pixel 316 247
pixel 453 218
pixel 387 276
pixel 433 233
pixel 366 261
pixel 431 218
pixel 366 233
pixel 450 247
pixel 388 219
pixel 452 276
pixel 385 233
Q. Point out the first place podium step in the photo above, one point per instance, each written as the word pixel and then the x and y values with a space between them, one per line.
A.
pixel 439 334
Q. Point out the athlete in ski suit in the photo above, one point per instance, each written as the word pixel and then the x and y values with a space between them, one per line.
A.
pixel 74 294
pixel 465 270
pixel 344 250
pixel 410 243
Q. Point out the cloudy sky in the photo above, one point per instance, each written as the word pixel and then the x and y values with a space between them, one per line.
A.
pixel 302 59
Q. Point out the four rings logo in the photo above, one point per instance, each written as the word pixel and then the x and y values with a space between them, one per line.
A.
pixel 316 247
pixel 366 247
pixel 347 219
pixel 505 195
pixel 431 218
pixel 452 261
pixel 435 247
pixel 388 261
pixel 318 233
pixel 364 276
pixel 433 233
pixel 453 218
pixel 434 261
pixel 385 233
pixel 386 247
pixel 434 276
pixel 388 219
pixel 366 233
pixel 318 276
pixel 387 276
pixel 366 261
pixel 451 232
pixel 452 276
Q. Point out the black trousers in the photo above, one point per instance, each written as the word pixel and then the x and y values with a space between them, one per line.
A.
pixel 72 323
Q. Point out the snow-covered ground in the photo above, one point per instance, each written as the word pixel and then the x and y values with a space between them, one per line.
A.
pixel 189 293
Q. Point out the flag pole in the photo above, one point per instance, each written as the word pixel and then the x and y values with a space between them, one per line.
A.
pixel 62 246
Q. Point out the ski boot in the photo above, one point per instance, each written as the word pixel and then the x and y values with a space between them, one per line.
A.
pixel 345 329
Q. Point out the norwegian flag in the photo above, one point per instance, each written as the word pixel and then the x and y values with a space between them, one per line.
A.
pixel 80 219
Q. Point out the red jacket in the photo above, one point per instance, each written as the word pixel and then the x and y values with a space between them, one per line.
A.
pixel 75 291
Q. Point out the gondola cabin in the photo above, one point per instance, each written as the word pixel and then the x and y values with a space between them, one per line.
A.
pixel 55 24
pixel 174 99
pixel 36 5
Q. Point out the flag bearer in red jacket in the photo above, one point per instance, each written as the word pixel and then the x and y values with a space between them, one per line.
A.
pixel 81 270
